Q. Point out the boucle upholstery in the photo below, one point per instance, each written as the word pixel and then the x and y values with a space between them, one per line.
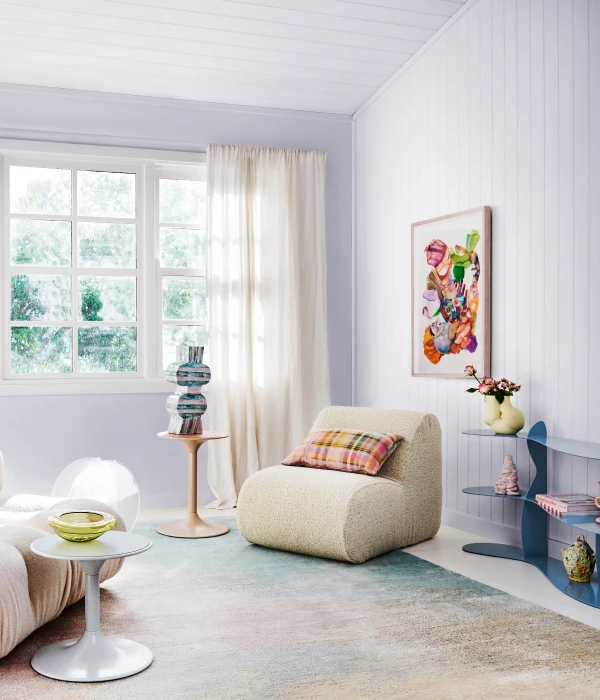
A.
pixel 35 589
pixel 351 517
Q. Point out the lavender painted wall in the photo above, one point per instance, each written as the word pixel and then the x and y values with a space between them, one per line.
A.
pixel 123 427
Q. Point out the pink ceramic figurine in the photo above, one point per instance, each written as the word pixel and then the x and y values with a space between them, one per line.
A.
pixel 508 483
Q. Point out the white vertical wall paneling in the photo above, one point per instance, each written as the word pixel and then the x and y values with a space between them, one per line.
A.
pixel 512 249
pixel 499 110
pixel 523 262
pixel 474 152
pixel 416 187
pixel 499 273
pixel 463 203
pixel 593 419
pixel 451 498
pixel 487 473
pixel 564 310
pixel 442 200
pixel 431 62
pixel 581 235
pixel 403 201
pixel 538 210
pixel 551 249
pixel 425 181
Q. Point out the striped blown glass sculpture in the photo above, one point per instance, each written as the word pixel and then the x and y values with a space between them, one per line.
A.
pixel 187 405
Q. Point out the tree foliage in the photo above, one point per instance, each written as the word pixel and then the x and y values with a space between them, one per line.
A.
pixel 36 297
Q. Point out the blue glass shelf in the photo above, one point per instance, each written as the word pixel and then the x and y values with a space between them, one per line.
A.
pixel 575 448
pixel 491 433
pixel 489 491
pixel 589 525
pixel 534 520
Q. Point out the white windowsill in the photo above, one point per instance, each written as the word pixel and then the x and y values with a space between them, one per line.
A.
pixel 78 387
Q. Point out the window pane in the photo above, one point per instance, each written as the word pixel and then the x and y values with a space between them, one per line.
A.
pixel 181 335
pixel 40 350
pixel 40 242
pixel 105 194
pixel 183 247
pixel 184 298
pixel 182 201
pixel 40 298
pixel 107 298
pixel 107 245
pixel 40 190
pixel 107 349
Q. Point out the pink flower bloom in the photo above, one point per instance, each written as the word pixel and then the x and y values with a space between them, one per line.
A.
pixel 484 388
pixel 470 371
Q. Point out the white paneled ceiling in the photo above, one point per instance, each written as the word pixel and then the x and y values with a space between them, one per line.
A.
pixel 316 55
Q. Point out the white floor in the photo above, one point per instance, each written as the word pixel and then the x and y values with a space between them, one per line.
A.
pixel 517 578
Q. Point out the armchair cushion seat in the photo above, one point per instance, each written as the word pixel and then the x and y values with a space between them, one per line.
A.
pixel 347 516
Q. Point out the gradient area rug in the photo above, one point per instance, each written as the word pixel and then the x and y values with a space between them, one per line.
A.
pixel 226 619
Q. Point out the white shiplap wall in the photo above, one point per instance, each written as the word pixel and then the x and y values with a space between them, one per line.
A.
pixel 501 109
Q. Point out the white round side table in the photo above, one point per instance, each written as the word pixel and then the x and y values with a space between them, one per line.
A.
pixel 93 657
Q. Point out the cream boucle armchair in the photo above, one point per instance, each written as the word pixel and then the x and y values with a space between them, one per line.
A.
pixel 351 517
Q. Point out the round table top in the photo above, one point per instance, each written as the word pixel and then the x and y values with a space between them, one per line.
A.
pixel 205 435
pixel 110 545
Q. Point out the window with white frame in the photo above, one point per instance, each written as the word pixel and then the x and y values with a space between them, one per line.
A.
pixel 181 215
pixel 103 267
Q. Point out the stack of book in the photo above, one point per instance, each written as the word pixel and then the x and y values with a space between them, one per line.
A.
pixel 570 507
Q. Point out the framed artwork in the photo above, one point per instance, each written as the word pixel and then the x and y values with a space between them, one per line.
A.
pixel 451 294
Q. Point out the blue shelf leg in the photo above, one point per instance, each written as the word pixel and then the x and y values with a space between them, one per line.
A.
pixel 493 549
pixel 534 522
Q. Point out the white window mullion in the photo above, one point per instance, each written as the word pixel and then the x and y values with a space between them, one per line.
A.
pixel 4 271
pixel 182 272
pixel 150 252
pixel 192 227
pixel 140 271
pixel 42 324
pixel 42 217
pixel 106 271
pixel 107 324
pixel 74 276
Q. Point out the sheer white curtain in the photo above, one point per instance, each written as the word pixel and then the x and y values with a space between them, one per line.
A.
pixel 267 301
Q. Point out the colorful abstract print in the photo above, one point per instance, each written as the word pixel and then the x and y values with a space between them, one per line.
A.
pixel 344 450
pixel 451 307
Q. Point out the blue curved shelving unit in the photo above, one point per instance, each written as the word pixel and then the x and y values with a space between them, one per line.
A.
pixel 534 521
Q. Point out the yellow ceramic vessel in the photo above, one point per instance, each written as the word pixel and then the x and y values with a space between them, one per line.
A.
pixel 503 418
pixel 81 526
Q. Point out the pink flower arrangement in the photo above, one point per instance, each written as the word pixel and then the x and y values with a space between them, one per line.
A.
pixel 488 386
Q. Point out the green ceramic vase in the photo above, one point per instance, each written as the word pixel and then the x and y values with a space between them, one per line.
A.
pixel 579 560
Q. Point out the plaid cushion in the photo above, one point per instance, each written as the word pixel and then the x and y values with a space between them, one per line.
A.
pixel 344 450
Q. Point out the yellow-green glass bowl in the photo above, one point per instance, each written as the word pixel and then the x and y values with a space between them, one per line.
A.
pixel 81 526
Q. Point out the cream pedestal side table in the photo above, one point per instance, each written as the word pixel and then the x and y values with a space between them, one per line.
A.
pixel 193 526
pixel 93 657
